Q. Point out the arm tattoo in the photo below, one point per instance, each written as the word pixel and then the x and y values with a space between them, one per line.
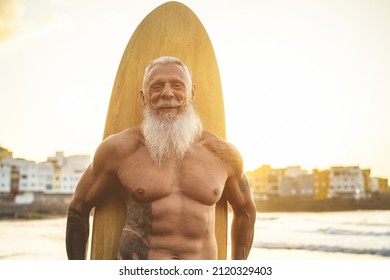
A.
pixel 243 184
pixel 77 231
pixel 134 240
pixel 226 154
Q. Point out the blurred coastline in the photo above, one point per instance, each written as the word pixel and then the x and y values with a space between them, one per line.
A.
pixel 48 205
pixel 379 201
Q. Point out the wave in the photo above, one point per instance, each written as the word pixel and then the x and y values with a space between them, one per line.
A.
pixel 385 252
pixel 368 224
pixel 335 231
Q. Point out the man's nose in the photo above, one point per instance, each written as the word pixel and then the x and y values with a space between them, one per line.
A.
pixel 167 92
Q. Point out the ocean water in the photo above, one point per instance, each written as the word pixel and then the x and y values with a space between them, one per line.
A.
pixel 329 235
pixel 350 234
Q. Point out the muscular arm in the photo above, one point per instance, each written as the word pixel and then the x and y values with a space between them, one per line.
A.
pixel 238 194
pixel 77 231
pixel 244 216
pixel 90 191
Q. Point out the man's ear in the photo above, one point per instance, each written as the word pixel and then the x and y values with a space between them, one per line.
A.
pixel 143 98
pixel 193 93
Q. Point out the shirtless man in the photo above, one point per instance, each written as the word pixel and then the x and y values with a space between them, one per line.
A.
pixel 171 173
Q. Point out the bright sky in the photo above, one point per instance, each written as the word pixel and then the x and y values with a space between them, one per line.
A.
pixel 306 82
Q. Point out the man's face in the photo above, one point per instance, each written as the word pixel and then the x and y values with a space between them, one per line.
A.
pixel 168 89
pixel 171 124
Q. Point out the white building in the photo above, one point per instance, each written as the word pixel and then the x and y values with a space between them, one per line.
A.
pixel 27 173
pixel 75 162
pixel 301 185
pixel 346 181
pixel 374 184
pixel 68 180
pixel 295 171
pixel 45 173
pixel 33 177
pixel 5 178
pixel 36 177
pixel 287 186
pixel 68 171
pixel 306 184
pixel 59 174
pixel 58 159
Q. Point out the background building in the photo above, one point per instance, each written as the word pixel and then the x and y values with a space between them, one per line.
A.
pixel 291 181
pixel 383 185
pixel 258 180
pixel 336 182
pixel 4 153
pixel 68 180
pixel 321 183
pixel 59 174
pixel 347 182
pixel 5 178
pixel 75 162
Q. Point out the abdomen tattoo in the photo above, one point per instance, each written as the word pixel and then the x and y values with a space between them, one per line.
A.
pixel 134 240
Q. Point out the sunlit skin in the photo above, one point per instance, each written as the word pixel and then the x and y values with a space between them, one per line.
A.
pixel 171 207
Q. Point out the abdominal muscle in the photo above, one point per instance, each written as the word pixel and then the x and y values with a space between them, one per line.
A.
pixel 183 248
pixel 180 229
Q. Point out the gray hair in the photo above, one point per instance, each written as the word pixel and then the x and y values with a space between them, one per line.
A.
pixel 166 60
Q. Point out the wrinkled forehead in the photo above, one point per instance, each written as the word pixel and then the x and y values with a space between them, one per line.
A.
pixel 167 69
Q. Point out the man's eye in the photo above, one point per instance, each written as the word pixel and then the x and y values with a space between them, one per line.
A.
pixel 156 87
pixel 177 86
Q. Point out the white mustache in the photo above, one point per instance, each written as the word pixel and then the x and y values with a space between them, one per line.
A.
pixel 167 104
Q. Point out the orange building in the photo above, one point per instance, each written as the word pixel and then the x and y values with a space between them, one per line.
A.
pixel 321 184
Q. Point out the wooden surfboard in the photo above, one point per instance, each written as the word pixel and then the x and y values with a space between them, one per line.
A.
pixel 172 29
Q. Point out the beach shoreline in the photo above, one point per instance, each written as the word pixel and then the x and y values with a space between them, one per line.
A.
pixel 44 239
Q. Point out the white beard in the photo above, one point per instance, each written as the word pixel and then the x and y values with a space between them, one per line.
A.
pixel 168 136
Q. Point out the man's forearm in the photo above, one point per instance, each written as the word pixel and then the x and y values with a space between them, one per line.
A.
pixel 244 218
pixel 242 237
pixel 77 231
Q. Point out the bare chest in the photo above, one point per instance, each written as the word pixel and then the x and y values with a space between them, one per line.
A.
pixel 200 176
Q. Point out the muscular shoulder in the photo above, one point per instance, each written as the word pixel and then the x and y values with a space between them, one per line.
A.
pixel 124 141
pixel 117 146
pixel 225 151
